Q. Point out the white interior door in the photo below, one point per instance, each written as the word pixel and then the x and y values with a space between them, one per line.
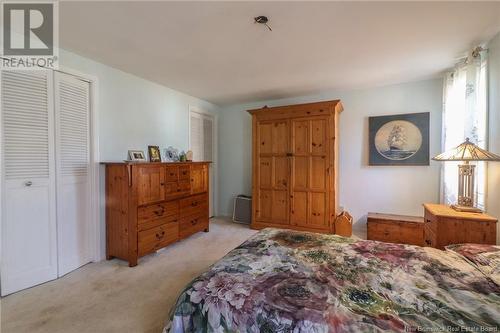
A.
pixel 202 144
pixel 73 171
pixel 29 254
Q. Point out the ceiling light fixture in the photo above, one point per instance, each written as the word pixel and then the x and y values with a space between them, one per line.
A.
pixel 262 20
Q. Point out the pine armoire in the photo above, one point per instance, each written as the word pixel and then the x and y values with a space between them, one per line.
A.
pixel 294 168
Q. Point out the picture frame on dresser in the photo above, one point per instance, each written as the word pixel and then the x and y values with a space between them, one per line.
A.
pixel 136 156
pixel 154 154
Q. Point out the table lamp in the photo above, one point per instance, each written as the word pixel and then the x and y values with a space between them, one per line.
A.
pixel 466 152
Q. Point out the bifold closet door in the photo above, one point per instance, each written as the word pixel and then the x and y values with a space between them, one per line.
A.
pixel 29 252
pixel 201 138
pixel 73 171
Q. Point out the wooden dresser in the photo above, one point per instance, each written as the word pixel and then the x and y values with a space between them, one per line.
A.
pixel 445 226
pixel 151 205
pixel 295 166
pixel 395 228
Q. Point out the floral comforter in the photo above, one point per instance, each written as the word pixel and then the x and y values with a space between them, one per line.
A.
pixel 288 281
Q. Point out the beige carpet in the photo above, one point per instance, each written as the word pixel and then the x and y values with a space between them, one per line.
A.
pixel 111 297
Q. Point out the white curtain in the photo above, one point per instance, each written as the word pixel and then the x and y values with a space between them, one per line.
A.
pixel 465 112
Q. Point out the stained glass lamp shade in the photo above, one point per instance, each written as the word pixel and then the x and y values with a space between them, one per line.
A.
pixel 466 151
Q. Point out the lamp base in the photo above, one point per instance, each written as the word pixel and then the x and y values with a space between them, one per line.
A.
pixel 467 209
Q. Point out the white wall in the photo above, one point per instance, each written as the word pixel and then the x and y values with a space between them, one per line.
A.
pixel 493 198
pixel 134 113
pixel 362 188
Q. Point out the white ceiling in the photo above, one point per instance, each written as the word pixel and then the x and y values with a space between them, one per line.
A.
pixel 214 51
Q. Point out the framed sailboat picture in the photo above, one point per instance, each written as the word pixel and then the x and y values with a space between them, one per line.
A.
pixel 401 139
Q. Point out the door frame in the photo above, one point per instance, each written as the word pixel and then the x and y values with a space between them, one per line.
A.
pixel 215 185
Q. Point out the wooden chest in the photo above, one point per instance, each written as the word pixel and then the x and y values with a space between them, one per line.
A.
pixel 445 226
pixel 396 228
pixel 151 205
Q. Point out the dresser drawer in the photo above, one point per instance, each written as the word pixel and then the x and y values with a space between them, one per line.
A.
pixel 158 237
pixel 155 215
pixel 157 211
pixel 177 189
pixel 146 225
pixel 172 174
pixel 171 189
pixel 192 205
pixel 192 224
pixel 184 173
pixel 185 187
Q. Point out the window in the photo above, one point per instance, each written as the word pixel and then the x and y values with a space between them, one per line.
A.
pixel 465 116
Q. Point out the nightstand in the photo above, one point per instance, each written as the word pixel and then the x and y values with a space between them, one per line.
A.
pixel 444 226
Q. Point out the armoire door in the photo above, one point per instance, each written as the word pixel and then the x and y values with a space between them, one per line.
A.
pixel 273 172
pixel 309 172
pixel 29 251
pixel 72 128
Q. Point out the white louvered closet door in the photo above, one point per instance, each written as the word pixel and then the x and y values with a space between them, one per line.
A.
pixel 202 145
pixel 29 255
pixel 73 171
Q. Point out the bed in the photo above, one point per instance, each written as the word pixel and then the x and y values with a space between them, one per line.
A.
pixel 290 281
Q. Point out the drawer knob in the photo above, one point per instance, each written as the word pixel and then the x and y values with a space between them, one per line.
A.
pixel 428 242
pixel 193 222
pixel 160 235
pixel 428 221
pixel 159 212
pixel 194 203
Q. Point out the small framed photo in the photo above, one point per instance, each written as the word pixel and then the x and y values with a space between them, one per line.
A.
pixel 171 154
pixel 154 154
pixel 136 155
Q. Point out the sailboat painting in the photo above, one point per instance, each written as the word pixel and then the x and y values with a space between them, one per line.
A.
pixel 399 139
